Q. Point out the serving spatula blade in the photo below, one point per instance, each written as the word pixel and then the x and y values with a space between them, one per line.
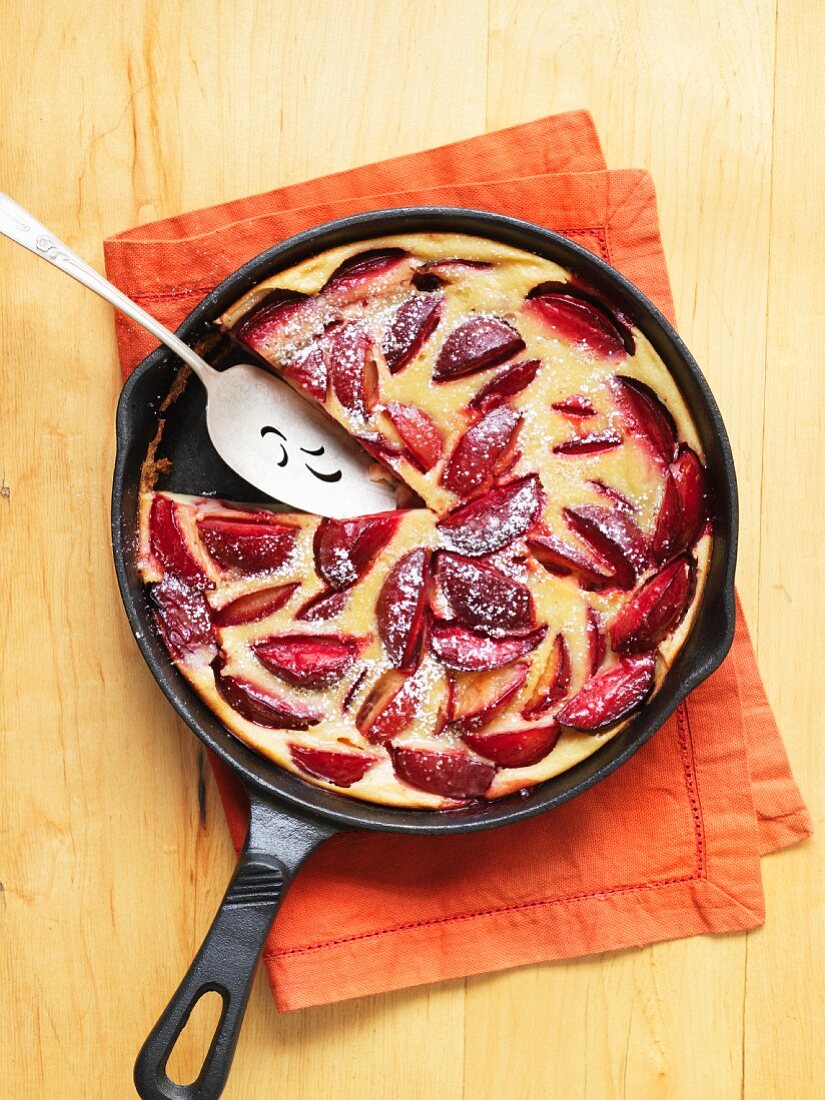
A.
pixel 282 444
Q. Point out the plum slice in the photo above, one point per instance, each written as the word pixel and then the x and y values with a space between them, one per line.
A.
pixel 481 450
pixel 609 492
pixel 168 544
pixel 248 545
pixel 260 706
pixel 437 272
pixel 591 444
pixel 582 317
pixel 182 615
pixel 610 695
pixel 324 605
pixel 338 766
pixel 656 609
pixel 554 681
pixel 596 641
pixel 413 324
pixel 682 512
pixel 352 690
pixel 401 605
pixel 507 383
pixel 389 707
pixel 688 475
pixel 419 431
pixel 647 417
pixel 483 598
pixel 253 606
pixel 352 369
pixel 281 317
pixel 477 697
pixel 345 549
pixel 667 535
pixel 576 405
pixel 365 274
pixel 383 449
pixel 518 747
pixel 450 773
pixel 477 344
pixel 506 465
pixel 614 536
pixel 463 649
pixel 308 660
pixel 308 368
pixel 494 520
pixel 563 559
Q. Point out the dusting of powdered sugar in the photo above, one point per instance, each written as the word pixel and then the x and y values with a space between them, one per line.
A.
pixel 512 562
pixel 501 524
pixel 422 688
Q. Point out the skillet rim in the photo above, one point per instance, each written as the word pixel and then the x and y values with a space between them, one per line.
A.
pixel 712 632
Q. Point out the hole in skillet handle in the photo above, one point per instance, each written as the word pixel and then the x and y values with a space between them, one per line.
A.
pixel 228 957
pixel 189 1052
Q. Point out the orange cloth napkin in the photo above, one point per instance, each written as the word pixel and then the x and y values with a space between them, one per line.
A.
pixel 668 845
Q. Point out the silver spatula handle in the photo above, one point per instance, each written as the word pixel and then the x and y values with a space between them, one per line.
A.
pixel 22 227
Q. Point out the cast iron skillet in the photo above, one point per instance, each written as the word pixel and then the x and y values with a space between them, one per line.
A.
pixel 290 818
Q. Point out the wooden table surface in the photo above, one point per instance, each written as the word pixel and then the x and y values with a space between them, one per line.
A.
pixel 114 114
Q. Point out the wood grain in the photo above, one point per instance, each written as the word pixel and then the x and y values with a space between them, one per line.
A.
pixel 113 852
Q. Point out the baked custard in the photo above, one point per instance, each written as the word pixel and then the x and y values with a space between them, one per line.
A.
pixel 541 573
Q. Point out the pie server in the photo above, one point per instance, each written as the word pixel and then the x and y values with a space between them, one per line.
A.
pixel 290 818
pixel 262 429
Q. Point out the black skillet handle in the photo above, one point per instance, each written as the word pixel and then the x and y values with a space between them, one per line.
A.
pixel 229 955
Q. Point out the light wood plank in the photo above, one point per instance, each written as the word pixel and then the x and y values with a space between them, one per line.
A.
pixel 785 1009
